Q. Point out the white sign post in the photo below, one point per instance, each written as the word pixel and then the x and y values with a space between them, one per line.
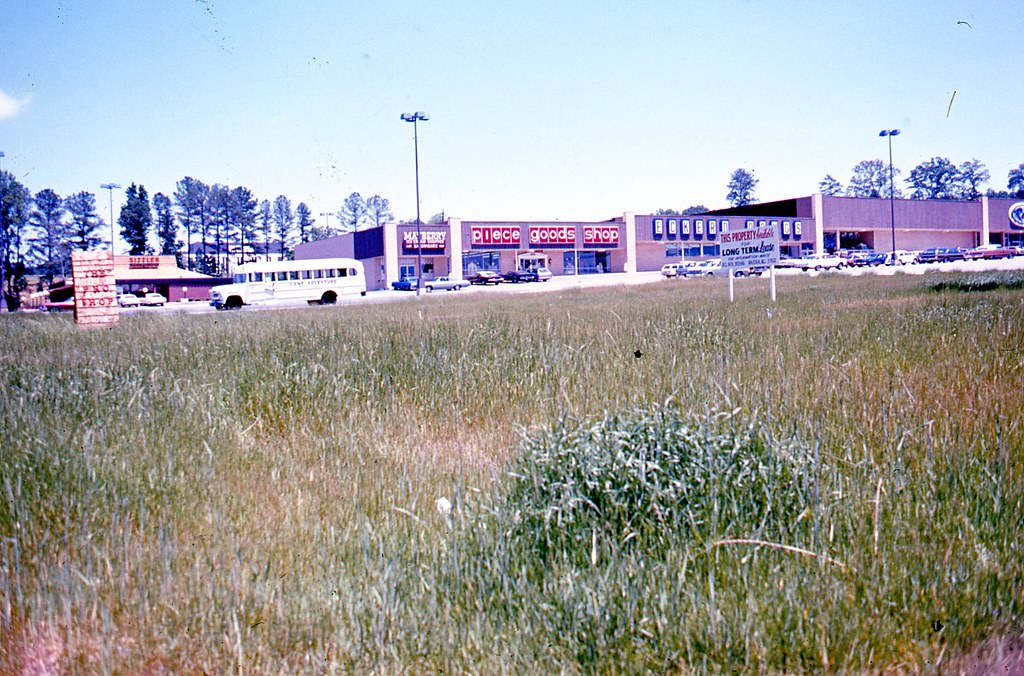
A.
pixel 755 247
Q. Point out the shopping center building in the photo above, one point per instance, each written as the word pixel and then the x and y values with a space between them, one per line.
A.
pixel 633 242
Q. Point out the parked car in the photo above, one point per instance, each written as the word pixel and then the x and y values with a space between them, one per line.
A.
pixel 940 255
pixel 901 257
pixel 153 298
pixel 863 259
pixel 61 305
pixel 752 271
pixel 516 276
pixel 405 284
pixel 788 262
pixel 706 268
pixel 671 269
pixel 822 262
pixel 484 277
pixel 444 284
pixel 989 251
pixel 129 300
pixel 543 274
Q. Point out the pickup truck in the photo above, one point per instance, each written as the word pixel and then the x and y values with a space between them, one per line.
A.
pixel 444 284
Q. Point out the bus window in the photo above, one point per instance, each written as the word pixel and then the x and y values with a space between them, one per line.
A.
pixel 257 276
pixel 352 272
pixel 330 272
pixel 318 274
pixel 280 276
pixel 238 278
pixel 342 272
pixel 293 274
pixel 305 274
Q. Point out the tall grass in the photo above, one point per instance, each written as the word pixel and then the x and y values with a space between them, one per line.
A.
pixel 643 479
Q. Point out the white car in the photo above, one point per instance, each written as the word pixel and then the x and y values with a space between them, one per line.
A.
pixel 543 274
pixel 822 262
pixel 706 268
pixel 671 269
pixel 902 257
pixel 444 284
pixel 153 298
pixel 129 300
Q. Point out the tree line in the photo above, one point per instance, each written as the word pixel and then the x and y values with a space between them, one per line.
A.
pixel 937 178
pixel 206 226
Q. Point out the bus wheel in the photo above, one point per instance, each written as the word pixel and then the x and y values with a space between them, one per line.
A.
pixel 233 303
pixel 329 298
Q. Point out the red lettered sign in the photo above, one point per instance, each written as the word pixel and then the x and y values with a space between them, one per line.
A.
pixel 95 291
pixel 552 234
pixel 601 234
pixel 495 235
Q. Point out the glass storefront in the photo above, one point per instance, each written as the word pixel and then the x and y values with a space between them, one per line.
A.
pixel 585 262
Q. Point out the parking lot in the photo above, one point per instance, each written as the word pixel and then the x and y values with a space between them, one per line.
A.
pixel 611 279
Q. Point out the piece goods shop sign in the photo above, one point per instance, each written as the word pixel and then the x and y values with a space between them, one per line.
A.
pixel 95 288
pixel 495 235
pixel 755 247
pixel 552 235
pixel 600 235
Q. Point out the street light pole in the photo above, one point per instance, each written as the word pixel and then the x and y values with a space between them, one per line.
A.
pixel 327 215
pixel 889 133
pixel 3 280
pixel 415 118
pixel 110 187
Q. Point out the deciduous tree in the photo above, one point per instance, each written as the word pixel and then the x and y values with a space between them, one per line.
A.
pixel 741 188
pixel 971 175
pixel 1015 181
pixel 871 178
pixel 933 179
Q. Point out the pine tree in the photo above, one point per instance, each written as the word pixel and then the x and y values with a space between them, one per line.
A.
pixel 136 219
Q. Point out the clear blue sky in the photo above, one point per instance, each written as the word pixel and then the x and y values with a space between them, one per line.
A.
pixel 539 109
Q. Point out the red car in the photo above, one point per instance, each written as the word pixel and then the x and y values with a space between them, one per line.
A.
pixel 989 251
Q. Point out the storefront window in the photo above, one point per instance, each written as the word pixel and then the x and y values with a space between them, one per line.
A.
pixel 710 250
pixel 481 260
pixel 585 262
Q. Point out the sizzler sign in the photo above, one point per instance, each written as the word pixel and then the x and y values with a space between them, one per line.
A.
pixel 599 234
pixel 495 235
pixel 553 234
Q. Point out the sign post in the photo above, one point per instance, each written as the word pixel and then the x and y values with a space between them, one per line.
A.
pixel 95 288
pixel 756 247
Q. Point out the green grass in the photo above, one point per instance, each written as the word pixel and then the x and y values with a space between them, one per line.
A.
pixel 256 491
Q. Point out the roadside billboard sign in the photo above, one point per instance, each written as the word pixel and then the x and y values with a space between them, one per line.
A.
pixel 95 288
pixel 755 247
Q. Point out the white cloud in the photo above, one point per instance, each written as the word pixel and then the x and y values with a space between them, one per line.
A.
pixel 9 106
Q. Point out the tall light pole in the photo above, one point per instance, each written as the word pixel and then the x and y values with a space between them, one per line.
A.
pixel 3 280
pixel 327 215
pixel 110 187
pixel 889 133
pixel 416 118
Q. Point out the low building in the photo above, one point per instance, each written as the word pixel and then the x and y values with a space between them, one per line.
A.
pixel 632 242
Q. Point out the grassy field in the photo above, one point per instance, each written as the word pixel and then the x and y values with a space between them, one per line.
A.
pixel 641 479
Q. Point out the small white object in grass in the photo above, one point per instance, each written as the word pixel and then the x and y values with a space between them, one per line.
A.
pixel 444 507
